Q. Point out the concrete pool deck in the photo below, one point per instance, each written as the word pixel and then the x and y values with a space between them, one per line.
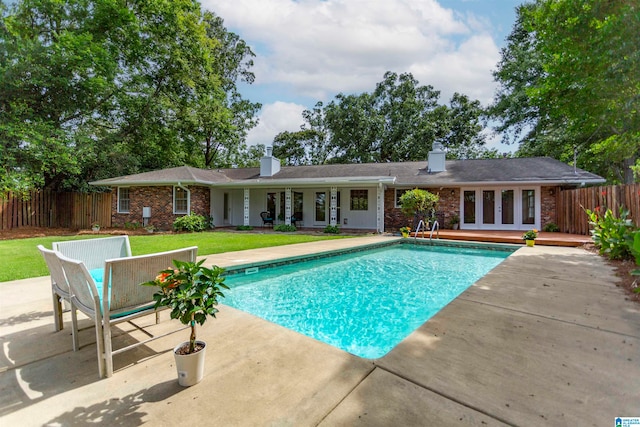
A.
pixel 546 338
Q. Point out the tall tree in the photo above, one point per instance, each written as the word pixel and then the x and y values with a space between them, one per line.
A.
pixel 398 121
pixel 97 88
pixel 216 121
pixel 569 76
pixel 309 145
pixel 408 111
pixel 354 126
pixel 463 129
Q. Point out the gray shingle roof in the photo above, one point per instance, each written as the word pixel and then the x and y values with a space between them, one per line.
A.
pixel 540 170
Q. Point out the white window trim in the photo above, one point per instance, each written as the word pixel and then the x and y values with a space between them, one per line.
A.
pixel 188 200
pixel 118 202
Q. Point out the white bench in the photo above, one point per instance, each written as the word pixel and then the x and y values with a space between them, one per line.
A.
pixel 120 297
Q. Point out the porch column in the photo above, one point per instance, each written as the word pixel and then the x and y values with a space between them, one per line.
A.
pixel 333 207
pixel 380 208
pixel 246 207
pixel 287 206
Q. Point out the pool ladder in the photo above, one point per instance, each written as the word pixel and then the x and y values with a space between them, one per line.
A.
pixel 423 226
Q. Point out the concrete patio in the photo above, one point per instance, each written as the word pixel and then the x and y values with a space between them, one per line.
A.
pixel 546 338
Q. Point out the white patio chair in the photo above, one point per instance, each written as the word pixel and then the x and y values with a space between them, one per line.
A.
pixel 120 297
pixel 94 252
pixel 59 291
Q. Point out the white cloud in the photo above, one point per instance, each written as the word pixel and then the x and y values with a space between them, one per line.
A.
pixel 319 48
pixel 325 47
pixel 273 119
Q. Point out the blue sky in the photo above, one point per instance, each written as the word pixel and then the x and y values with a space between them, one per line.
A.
pixel 311 50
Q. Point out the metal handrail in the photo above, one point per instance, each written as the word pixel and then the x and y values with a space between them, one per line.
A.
pixel 420 224
pixel 436 226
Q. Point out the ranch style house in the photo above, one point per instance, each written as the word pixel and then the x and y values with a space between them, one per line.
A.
pixel 488 194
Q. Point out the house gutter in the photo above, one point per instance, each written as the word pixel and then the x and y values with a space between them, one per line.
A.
pixel 450 184
pixel 388 180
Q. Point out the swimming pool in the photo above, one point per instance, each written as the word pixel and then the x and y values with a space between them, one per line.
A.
pixel 363 302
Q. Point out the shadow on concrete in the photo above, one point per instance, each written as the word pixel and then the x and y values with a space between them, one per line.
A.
pixel 118 412
pixel 26 318
pixel 38 363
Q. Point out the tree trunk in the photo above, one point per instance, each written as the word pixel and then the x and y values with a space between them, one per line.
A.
pixel 628 172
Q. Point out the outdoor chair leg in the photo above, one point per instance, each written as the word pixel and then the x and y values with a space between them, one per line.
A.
pixel 57 312
pixel 100 350
pixel 107 349
pixel 74 328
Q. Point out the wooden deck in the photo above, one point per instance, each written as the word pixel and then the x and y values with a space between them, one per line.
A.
pixel 547 239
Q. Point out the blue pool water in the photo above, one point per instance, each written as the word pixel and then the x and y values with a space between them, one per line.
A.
pixel 364 302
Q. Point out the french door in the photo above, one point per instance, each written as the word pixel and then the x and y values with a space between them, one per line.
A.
pixel 500 208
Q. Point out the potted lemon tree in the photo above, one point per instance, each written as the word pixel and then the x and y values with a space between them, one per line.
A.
pixel 191 291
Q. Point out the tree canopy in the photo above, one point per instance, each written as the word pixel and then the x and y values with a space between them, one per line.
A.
pixel 569 84
pixel 398 121
pixel 98 88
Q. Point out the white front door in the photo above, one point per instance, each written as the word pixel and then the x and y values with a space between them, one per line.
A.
pixel 500 208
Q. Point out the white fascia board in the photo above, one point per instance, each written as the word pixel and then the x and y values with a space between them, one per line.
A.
pixel 308 182
pixel 148 183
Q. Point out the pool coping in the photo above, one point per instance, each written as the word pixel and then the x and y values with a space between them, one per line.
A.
pixel 242 268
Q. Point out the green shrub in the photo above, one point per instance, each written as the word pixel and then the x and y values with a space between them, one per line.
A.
pixel 244 228
pixel 192 222
pixel 132 225
pixel 418 201
pixel 612 235
pixel 332 229
pixel 551 227
pixel 285 228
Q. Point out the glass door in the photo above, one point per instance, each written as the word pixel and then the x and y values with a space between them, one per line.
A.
pixel 226 207
pixel 507 207
pixel 488 207
pixel 321 208
pixel 500 208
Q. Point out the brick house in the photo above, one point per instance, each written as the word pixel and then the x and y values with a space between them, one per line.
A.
pixel 490 194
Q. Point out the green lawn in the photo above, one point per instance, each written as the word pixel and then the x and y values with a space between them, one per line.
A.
pixel 22 259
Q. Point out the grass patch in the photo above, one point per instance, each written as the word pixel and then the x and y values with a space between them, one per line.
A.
pixel 25 260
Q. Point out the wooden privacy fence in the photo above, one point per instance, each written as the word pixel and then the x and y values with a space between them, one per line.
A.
pixel 571 215
pixel 56 210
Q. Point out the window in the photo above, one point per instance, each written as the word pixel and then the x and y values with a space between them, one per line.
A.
pixel 359 200
pixel 271 204
pixel 123 200
pixel 399 193
pixel 298 199
pixel 180 200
